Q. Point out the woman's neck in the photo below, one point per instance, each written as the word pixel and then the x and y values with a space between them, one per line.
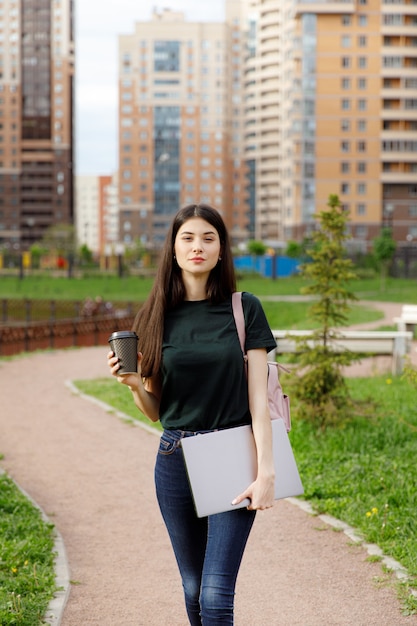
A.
pixel 195 288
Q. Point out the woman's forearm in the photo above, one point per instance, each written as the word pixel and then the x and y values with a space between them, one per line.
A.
pixel 258 405
pixel 262 433
pixel 146 401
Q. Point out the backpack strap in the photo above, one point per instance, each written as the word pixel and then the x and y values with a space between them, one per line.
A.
pixel 237 308
pixel 240 325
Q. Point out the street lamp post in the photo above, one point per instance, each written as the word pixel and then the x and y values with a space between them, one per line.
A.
pixel 408 254
pixel 388 216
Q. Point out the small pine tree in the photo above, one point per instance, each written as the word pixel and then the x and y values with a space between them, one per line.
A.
pixel 321 388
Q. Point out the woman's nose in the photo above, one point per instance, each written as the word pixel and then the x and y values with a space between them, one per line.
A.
pixel 197 246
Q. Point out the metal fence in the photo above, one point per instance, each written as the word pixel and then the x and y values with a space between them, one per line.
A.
pixel 17 310
pixel 28 325
pixel 30 336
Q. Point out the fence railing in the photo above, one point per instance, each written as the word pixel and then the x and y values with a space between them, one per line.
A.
pixel 18 310
pixel 55 334
pixel 28 325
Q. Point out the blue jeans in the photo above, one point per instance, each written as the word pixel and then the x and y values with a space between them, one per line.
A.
pixel 208 550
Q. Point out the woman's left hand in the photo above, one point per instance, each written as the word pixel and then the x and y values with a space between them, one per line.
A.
pixel 260 493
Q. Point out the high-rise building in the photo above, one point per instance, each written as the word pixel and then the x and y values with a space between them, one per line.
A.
pixel 97 213
pixel 180 124
pixel 263 116
pixel 349 110
pixel 36 119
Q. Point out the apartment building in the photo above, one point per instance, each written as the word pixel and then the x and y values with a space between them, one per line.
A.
pixel 349 112
pixel 263 116
pixel 180 124
pixel 97 213
pixel 36 119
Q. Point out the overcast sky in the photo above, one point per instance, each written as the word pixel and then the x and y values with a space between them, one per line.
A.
pixel 98 25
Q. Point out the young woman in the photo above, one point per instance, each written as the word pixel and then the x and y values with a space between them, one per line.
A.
pixel 189 361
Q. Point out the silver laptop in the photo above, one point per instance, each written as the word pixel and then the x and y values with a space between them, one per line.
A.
pixel 222 464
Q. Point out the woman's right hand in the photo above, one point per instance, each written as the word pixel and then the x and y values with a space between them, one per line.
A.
pixel 131 380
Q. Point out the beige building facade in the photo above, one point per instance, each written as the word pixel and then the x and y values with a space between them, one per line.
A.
pixel 36 119
pixel 180 124
pixel 351 115
pixel 97 213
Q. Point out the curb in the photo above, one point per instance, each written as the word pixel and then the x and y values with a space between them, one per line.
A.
pixel 354 535
pixel 55 610
pixel 110 409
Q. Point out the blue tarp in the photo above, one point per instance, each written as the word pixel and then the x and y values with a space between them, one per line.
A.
pixel 264 265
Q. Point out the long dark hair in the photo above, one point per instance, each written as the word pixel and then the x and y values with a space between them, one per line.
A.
pixel 168 289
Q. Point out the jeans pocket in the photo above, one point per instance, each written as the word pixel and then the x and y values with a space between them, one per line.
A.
pixel 168 443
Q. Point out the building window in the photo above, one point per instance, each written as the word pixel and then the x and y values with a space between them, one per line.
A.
pixel 361 126
pixel 345 125
pixel 344 167
pixel 361 209
pixel 362 83
pixel 362 104
pixel 362 41
pixel 361 232
pixel 166 56
pixel 361 146
pixel 393 61
pixel 361 167
pixel 346 41
pixel 344 188
pixel 345 104
pixel 361 189
pixel 345 146
pixel 362 62
pixel 345 83
pixel 345 61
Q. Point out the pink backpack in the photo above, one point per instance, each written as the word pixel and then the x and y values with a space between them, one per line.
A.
pixel 278 401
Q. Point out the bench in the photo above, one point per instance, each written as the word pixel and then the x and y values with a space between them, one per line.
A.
pixel 396 344
pixel 408 317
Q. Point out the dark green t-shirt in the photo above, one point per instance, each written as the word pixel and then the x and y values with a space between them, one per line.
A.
pixel 203 377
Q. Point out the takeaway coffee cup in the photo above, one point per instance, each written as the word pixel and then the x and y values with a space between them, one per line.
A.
pixel 124 344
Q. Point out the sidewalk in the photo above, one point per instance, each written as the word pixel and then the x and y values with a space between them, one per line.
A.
pixel 92 474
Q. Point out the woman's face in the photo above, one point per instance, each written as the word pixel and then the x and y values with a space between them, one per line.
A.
pixel 197 247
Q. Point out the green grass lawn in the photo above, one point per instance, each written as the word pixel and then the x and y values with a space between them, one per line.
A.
pixel 293 315
pixel 135 289
pixel 27 575
pixel 365 471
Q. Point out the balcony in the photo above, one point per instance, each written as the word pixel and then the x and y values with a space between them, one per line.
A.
pixel 398 177
pixel 325 6
pixel 398 114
